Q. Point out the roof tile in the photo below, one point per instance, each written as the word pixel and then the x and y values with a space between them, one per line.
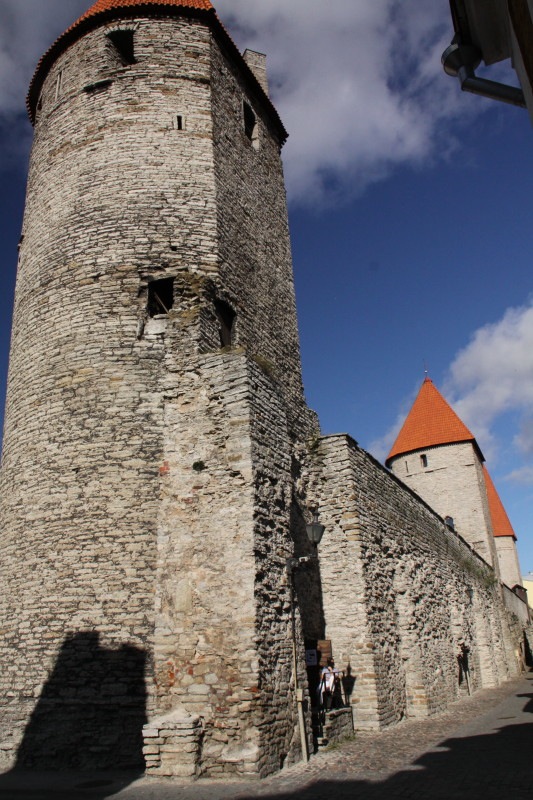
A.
pixel 501 525
pixel 430 422
pixel 107 5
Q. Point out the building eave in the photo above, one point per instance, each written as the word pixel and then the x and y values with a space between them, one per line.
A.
pixel 484 24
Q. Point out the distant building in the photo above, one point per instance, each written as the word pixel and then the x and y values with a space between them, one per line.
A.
pixel 527 583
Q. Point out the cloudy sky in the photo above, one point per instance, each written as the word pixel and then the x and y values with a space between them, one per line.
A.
pixel 409 210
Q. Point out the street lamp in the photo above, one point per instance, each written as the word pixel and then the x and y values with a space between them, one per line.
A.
pixel 315 530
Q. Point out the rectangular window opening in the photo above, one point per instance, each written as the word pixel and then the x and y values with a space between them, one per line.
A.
pixel 59 84
pixel 226 320
pixel 160 296
pixel 424 460
pixel 250 124
pixel 179 122
pixel 124 44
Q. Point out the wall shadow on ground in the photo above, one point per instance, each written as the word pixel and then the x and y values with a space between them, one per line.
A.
pixel 90 714
pixel 491 766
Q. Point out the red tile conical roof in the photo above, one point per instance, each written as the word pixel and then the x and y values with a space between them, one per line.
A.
pixel 431 422
pixel 501 525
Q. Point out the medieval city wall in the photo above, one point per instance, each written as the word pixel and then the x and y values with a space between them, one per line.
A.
pixel 402 593
pixel 160 464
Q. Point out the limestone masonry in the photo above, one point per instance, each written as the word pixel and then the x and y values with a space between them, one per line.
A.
pixel 160 464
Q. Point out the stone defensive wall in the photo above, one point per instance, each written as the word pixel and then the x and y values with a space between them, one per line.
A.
pixel 416 618
pixel 159 464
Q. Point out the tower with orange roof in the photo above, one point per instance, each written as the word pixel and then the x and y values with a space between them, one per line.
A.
pixel 438 457
pixel 504 535
pixel 154 402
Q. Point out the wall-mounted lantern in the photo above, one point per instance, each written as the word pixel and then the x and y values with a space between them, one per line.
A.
pixel 315 530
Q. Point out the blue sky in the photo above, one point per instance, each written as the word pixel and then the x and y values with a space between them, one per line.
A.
pixel 410 217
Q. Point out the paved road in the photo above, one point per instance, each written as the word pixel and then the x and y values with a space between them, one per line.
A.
pixel 480 748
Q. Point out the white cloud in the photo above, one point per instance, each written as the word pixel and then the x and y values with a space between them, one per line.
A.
pixel 27 29
pixel 493 376
pixel 489 380
pixel 524 475
pixel 358 84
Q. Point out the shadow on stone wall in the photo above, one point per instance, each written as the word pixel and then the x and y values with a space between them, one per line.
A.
pixel 91 711
pixel 307 579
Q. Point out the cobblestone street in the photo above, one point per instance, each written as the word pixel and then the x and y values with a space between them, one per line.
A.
pixel 480 748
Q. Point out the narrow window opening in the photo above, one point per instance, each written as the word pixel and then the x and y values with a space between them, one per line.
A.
pixel 59 84
pixel 406 467
pixel 250 124
pixel 226 320
pixel 424 460
pixel 40 103
pixel 124 44
pixel 160 296
pixel 179 122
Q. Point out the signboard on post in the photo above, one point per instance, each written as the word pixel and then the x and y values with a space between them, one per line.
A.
pixel 324 651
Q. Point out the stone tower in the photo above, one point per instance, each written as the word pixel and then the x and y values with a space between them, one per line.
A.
pixel 504 536
pixel 154 404
pixel 437 456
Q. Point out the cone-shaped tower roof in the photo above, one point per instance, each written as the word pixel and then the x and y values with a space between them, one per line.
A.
pixel 501 525
pixel 430 422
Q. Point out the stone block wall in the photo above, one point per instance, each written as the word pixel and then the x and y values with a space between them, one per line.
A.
pixel 255 254
pixel 223 639
pixel 403 595
pixel 159 468
pixel 83 440
pixel 508 560
pixel 172 745
pixel 338 726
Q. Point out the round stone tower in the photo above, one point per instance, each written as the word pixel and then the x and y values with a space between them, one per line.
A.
pixel 438 457
pixel 154 398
